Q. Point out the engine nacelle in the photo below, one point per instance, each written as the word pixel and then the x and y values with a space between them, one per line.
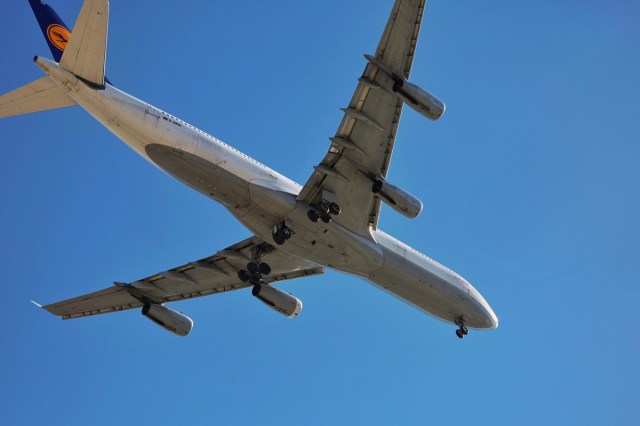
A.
pixel 168 319
pixel 419 99
pixel 278 300
pixel 398 199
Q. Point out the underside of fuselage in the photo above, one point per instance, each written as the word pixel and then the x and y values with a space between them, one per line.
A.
pixel 380 259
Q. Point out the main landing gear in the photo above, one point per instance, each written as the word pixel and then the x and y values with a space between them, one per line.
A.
pixel 462 330
pixel 281 233
pixel 255 269
pixel 323 211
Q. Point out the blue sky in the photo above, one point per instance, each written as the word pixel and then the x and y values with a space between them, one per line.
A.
pixel 530 186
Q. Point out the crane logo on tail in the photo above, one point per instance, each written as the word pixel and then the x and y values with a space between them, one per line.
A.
pixel 58 36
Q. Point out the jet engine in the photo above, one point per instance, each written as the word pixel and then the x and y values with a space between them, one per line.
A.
pixel 398 199
pixel 278 300
pixel 416 97
pixel 168 319
pixel 419 99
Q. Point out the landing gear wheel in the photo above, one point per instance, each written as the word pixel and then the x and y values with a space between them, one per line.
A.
pixel 243 275
pixel 313 215
pixel 459 333
pixel 264 269
pixel 255 280
pixel 323 207
pixel 278 238
pixel 334 209
pixel 325 218
pixel 253 268
pixel 464 330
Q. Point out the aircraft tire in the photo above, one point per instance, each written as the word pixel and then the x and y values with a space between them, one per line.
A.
pixel 253 268
pixel 243 275
pixel 278 238
pixel 313 215
pixel 264 269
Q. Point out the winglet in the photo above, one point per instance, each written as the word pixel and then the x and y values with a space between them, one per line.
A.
pixel 37 304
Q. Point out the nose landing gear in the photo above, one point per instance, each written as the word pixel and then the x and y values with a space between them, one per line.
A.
pixel 461 323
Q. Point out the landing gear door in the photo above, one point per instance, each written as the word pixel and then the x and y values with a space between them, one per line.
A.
pixel 329 196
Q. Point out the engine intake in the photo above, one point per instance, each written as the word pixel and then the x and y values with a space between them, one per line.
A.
pixel 419 99
pixel 168 319
pixel 278 300
pixel 397 198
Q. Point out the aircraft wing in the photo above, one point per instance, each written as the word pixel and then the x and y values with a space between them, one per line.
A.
pixel 211 275
pixel 361 149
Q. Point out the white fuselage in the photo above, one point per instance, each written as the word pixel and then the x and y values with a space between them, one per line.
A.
pixel 260 198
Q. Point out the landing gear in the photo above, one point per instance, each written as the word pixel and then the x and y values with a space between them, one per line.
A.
pixel 323 211
pixel 264 269
pixel 462 330
pixel 313 215
pixel 281 233
pixel 243 275
pixel 255 269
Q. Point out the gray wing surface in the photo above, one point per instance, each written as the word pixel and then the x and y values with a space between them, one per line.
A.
pixel 211 275
pixel 362 147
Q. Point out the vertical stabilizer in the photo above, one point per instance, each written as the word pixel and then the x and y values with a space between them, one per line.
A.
pixel 85 54
pixel 54 29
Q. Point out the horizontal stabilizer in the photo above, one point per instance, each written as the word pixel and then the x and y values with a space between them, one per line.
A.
pixel 85 53
pixel 39 95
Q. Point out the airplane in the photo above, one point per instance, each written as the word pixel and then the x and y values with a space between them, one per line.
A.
pixel 298 230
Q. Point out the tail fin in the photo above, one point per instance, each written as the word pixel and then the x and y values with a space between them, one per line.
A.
pixel 53 28
pixel 84 54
